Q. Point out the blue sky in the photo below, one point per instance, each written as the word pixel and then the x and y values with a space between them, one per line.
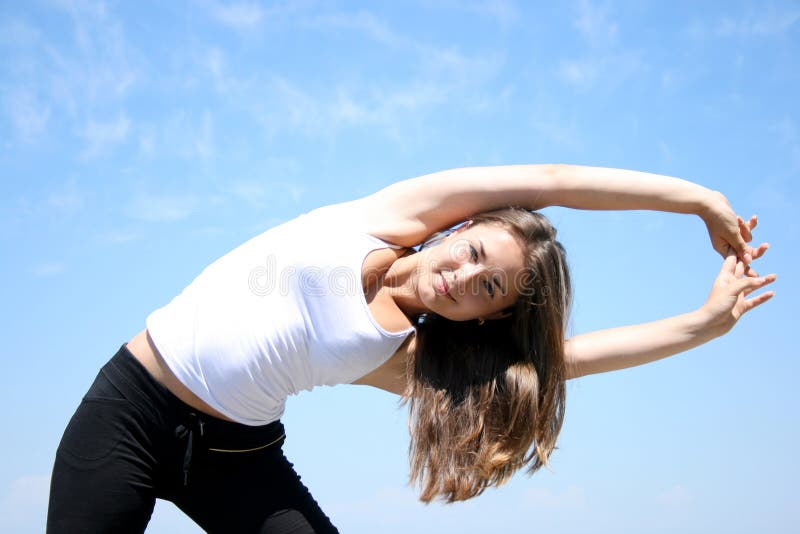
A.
pixel 140 142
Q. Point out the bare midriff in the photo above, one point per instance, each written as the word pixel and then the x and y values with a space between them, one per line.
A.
pixel 144 350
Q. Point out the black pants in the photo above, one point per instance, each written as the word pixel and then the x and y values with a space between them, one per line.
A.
pixel 131 441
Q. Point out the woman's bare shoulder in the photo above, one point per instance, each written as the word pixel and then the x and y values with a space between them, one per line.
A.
pixel 383 222
pixel 408 211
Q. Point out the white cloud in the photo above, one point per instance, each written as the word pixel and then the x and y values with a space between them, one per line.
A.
pixel 362 21
pixel 161 207
pixel 258 192
pixel 442 74
pixel 762 23
pixel 247 16
pixel 106 66
pixel 786 129
pixel 29 115
pixel 298 108
pixel 432 59
pixel 183 134
pixel 594 24
pixel 147 146
pixel 606 63
pixel 251 192
pixel 68 198
pixel 215 64
pixel 383 108
pixel 610 69
pixel 120 236
pixel 677 495
pixel 571 497
pixel 278 102
pixel 578 72
pixel 558 131
pixel 666 153
pixel 46 269
pixel 18 33
pixel 772 195
pixel 203 144
pixel 102 136
pixel 294 190
pixel 673 80
pixel 239 16
pixel 23 508
pixel 454 69
pixel 56 79
pixel 504 11
pixel 392 504
pixel 58 205
pixel 444 62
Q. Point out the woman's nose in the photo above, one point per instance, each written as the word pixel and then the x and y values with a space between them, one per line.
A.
pixel 466 274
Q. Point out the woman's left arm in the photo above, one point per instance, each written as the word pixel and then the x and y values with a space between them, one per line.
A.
pixel 410 210
pixel 628 346
pixel 598 188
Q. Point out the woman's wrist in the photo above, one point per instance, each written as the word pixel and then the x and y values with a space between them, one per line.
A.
pixel 706 325
pixel 709 202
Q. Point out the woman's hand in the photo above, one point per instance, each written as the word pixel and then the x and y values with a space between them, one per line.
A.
pixel 726 303
pixel 726 229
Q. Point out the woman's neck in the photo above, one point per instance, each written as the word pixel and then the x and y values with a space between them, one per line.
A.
pixel 401 281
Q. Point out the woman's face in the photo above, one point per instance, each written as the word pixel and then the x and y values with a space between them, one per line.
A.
pixel 472 273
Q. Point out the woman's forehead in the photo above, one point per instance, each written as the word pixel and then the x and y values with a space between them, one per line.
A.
pixel 497 245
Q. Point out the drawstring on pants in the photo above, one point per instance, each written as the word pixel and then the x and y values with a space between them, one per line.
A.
pixel 180 432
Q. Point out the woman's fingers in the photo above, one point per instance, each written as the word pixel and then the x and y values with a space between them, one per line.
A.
pixel 729 265
pixel 762 248
pixel 757 253
pixel 744 229
pixel 757 301
pixel 739 270
pixel 748 226
pixel 748 253
pixel 751 284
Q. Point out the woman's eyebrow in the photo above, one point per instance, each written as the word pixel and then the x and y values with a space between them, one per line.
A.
pixel 494 278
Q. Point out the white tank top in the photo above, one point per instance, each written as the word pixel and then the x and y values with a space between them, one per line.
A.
pixel 281 313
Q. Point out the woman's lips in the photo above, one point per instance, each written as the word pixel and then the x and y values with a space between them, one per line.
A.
pixel 441 287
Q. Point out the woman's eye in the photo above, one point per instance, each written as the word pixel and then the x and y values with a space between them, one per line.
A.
pixel 474 253
pixel 490 289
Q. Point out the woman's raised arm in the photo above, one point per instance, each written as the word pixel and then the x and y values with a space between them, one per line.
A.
pixel 411 210
pixel 628 346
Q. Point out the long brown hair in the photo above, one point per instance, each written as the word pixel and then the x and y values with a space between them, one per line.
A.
pixel 486 400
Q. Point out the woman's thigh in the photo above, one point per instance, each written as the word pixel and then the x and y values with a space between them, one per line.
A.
pixel 102 475
pixel 251 492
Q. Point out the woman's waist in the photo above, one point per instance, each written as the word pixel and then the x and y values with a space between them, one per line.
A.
pixel 129 376
pixel 145 351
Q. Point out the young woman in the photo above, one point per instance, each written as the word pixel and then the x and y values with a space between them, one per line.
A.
pixel 470 328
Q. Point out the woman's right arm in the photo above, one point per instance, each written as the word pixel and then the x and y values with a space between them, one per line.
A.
pixel 628 346
pixel 613 349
